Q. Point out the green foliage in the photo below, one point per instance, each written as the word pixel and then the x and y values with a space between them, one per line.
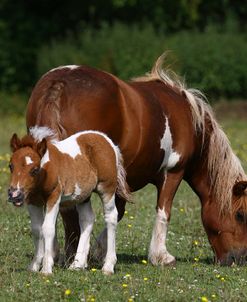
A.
pixel 12 103
pixel 213 62
pixel 208 60
pixel 126 51
pixel 24 26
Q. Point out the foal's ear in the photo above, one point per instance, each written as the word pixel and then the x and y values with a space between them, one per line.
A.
pixel 239 188
pixel 15 143
pixel 41 147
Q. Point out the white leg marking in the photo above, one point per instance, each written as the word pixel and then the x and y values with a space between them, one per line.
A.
pixel 49 232
pixel 158 253
pixel 111 215
pixel 86 220
pixel 37 218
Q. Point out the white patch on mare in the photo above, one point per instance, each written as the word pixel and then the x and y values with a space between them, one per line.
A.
pixel 38 133
pixel 45 159
pixel 71 67
pixel 69 146
pixel 28 160
pixel 171 157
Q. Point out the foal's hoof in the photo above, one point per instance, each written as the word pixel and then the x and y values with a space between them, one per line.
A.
pixel 76 266
pixel 107 273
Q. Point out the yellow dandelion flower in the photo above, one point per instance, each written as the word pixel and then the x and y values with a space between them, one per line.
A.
pixel 196 259
pixel 92 299
pixel 124 285
pixel 47 281
pixel 131 217
pixel 204 299
pixel 130 300
pixel 213 296
pixel 145 279
pixel 28 284
pixel 125 212
pixel 93 269
pixel 67 292
pixel 127 276
pixel 130 225
pixel 222 279
pixel 181 210
pixel 144 261
pixel 196 242
pixel 217 276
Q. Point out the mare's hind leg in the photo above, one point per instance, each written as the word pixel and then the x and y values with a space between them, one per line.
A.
pixel 72 232
pixel 167 188
pixel 100 247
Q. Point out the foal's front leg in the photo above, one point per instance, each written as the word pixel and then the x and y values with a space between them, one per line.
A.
pixel 111 215
pixel 37 218
pixel 86 221
pixel 49 232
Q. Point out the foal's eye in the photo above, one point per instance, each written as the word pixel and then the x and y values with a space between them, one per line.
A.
pixel 11 167
pixel 34 171
pixel 241 217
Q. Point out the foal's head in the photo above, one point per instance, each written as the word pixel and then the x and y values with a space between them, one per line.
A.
pixel 24 167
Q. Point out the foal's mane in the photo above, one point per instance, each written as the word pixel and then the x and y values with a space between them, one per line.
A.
pixel 224 168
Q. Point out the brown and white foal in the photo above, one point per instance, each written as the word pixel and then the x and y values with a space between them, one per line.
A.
pixel 49 174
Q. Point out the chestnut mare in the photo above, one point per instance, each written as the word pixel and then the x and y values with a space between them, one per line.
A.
pixel 166 133
pixel 61 173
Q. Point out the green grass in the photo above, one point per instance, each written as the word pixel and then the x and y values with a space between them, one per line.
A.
pixel 194 278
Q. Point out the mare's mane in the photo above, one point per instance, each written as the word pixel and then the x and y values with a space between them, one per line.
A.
pixel 224 168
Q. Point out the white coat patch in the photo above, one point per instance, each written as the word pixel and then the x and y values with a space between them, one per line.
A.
pixel 28 160
pixel 171 157
pixel 44 159
pixel 71 67
pixel 69 146
pixel 38 133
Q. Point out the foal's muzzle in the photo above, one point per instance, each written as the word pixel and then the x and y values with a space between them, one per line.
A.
pixel 16 196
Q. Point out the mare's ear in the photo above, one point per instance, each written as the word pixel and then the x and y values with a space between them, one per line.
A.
pixel 15 143
pixel 41 147
pixel 239 188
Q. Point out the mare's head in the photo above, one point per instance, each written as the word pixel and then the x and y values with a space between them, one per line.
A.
pixel 227 229
pixel 24 167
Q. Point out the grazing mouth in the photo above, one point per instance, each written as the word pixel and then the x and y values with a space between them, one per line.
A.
pixel 17 202
pixel 235 257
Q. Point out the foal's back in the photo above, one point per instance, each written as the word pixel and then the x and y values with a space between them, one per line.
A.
pixel 87 159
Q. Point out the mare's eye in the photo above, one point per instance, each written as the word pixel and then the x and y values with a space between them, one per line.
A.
pixel 11 167
pixel 241 216
pixel 34 171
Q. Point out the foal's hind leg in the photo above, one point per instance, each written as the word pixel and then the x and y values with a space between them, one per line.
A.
pixel 158 253
pixel 100 247
pixel 110 214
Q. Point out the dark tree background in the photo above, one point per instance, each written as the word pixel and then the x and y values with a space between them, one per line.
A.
pixel 28 25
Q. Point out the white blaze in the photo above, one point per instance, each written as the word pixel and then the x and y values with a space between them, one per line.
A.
pixel 28 160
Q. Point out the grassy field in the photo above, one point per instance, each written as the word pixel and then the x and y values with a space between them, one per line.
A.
pixel 194 278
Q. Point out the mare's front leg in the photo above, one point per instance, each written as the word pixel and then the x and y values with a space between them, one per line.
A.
pixel 86 221
pixel 37 218
pixel 111 218
pixel 49 231
pixel 167 188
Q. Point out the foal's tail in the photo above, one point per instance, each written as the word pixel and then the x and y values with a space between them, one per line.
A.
pixel 123 189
